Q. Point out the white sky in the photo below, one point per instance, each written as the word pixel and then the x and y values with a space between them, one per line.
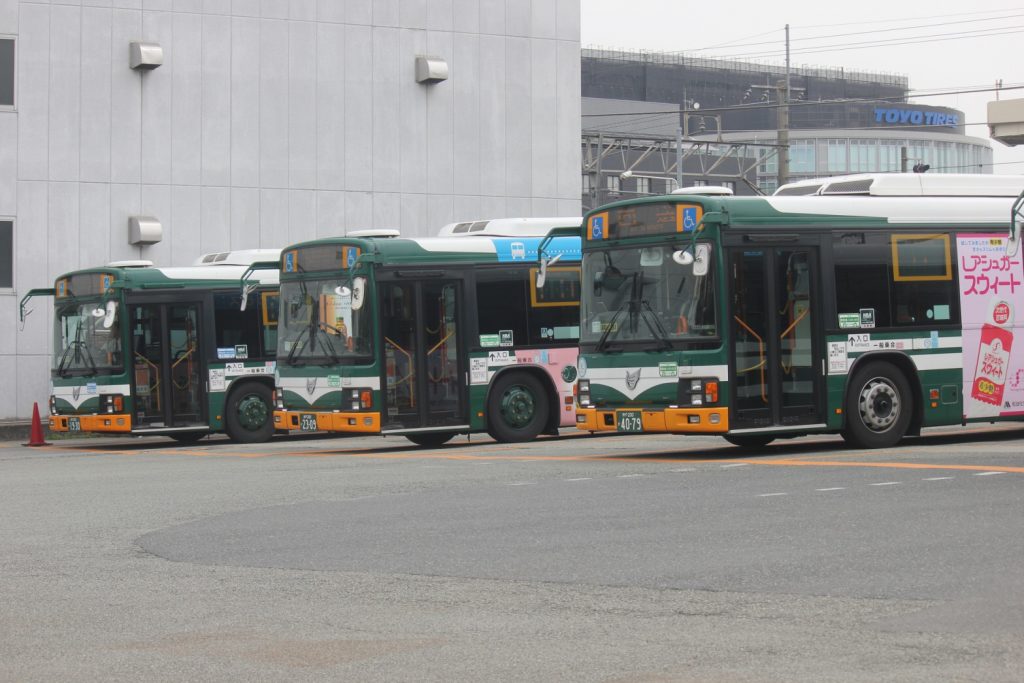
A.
pixel 926 43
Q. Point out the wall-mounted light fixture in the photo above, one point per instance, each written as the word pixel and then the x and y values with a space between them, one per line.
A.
pixel 145 56
pixel 144 230
pixel 431 69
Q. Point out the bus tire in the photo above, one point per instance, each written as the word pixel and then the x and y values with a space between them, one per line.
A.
pixel 752 442
pixel 517 408
pixel 430 439
pixel 249 413
pixel 879 406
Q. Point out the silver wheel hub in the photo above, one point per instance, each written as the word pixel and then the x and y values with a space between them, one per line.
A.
pixel 879 404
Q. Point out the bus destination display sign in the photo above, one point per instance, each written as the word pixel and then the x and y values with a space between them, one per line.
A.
pixel 644 220
pixel 319 258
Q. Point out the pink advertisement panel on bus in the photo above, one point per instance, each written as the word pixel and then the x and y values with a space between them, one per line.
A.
pixel 991 303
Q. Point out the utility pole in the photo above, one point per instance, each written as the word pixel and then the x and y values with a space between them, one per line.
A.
pixel 783 122
pixel 679 156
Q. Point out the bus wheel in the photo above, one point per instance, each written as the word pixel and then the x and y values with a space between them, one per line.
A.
pixel 249 414
pixel 517 408
pixel 751 441
pixel 878 406
pixel 430 439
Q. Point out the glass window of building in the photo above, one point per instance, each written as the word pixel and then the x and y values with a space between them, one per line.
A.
pixel 769 162
pixel 643 185
pixel 889 156
pixel 801 157
pixel 915 155
pixel 612 183
pixel 586 183
pixel 6 254
pixel 835 160
pixel 863 156
pixel 6 72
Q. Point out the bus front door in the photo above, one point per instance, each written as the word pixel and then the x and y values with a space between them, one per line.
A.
pixel 167 385
pixel 776 366
pixel 423 373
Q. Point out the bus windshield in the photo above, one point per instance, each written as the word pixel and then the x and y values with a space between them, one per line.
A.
pixel 87 339
pixel 319 325
pixel 644 297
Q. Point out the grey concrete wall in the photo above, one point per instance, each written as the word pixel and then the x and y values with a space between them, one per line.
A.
pixel 270 121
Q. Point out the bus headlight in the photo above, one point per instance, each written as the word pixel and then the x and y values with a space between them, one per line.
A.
pixel 53 404
pixel 583 392
pixel 698 392
pixel 279 399
pixel 111 403
pixel 361 399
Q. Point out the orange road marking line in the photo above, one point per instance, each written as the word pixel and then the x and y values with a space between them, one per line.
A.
pixel 889 465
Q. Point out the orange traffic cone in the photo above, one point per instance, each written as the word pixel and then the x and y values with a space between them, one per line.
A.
pixel 36 439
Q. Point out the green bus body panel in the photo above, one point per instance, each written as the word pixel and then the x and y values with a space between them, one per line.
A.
pixel 933 371
pixel 397 251
pixel 140 281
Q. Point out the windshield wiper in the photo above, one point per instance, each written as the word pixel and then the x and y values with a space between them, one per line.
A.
pixel 297 346
pixel 658 329
pixel 78 346
pixel 64 358
pixel 322 328
pixel 611 326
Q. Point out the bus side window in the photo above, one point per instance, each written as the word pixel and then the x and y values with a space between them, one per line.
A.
pixel 502 301
pixel 863 275
pixel 269 310
pixel 234 327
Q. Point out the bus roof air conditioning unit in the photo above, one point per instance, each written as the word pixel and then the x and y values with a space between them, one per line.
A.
pixel 374 232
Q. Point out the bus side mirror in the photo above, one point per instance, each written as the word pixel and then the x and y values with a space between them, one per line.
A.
pixel 110 315
pixel 702 261
pixel 358 293
pixel 542 274
pixel 1013 245
pixel 683 257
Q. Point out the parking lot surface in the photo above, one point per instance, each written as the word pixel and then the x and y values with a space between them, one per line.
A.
pixel 590 558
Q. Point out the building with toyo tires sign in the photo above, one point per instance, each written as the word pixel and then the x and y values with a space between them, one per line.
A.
pixel 870 305
pixel 165 351
pixel 428 338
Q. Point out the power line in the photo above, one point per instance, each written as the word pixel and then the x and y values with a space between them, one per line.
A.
pixel 735 43
pixel 914 18
pixel 860 33
pixel 891 42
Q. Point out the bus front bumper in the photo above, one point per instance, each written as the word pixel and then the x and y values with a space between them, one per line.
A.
pixel 668 420
pixel 112 423
pixel 312 421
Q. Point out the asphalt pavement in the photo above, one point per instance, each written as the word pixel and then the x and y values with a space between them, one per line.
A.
pixel 611 558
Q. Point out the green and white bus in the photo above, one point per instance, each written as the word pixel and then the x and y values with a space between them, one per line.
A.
pixel 429 338
pixel 871 305
pixel 143 350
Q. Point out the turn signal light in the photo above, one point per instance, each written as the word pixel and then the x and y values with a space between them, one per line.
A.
pixel 711 391
pixel 366 398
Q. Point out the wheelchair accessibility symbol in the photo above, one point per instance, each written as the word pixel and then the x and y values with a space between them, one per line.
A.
pixel 597 228
pixel 689 219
